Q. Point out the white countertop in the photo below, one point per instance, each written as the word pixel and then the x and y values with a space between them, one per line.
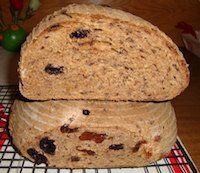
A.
pixel 8 67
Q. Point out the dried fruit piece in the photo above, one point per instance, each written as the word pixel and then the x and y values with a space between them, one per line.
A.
pixel 80 33
pixel 116 146
pixel 75 158
pixel 32 152
pixel 89 152
pixel 50 69
pixel 39 158
pixel 98 138
pixel 86 112
pixel 65 129
pixel 47 145
pixel 138 145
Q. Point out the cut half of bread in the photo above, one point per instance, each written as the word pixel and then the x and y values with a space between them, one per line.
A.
pixel 94 52
pixel 93 134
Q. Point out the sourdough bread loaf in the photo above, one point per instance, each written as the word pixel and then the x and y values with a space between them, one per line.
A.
pixel 95 52
pixel 88 134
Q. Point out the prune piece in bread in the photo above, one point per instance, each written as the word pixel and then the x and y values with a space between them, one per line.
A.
pixel 116 147
pixel 50 69
pixel 80 33
pixel 47 145
pixel 86 112
pixel 32 152
pixel 39 158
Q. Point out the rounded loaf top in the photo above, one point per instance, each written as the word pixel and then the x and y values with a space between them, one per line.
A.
pixel 128 133
pixel 99 53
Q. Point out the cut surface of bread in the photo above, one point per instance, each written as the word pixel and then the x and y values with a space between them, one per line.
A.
pixel 99 53
pixel 93 134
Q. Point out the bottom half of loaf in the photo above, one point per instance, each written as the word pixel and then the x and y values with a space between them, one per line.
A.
pixel 93 134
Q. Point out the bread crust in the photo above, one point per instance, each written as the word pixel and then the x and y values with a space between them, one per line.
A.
pixel 85 133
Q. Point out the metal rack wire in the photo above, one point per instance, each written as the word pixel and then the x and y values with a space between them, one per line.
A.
pixel 177 161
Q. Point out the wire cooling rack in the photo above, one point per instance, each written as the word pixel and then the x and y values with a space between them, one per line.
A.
pixel 177 161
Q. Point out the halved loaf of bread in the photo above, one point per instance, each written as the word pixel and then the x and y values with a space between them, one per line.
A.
pixel 92 134
pixel 95 52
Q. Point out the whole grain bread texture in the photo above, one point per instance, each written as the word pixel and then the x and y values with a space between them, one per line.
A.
pixel 94 52
pixel 93 134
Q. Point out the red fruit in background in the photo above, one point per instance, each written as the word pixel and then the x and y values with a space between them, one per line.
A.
pixel 17 4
